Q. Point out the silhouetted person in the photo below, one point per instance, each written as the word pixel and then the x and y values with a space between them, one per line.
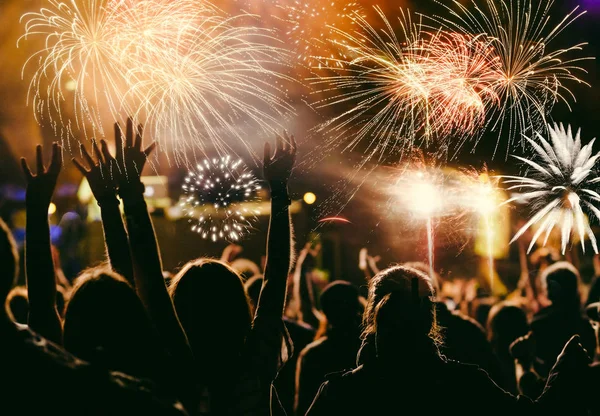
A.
pixel 38 377
pixel 337 349
pixel 106 324
pixel 464 338
pixel 204 318
pixel 506 323
pixel 401 370
pixel 552 326
pixel 301 335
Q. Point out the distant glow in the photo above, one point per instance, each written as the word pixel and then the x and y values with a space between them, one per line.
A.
pixel 51 208
pixel 561 181
pixel 310 198
pixel 420 194
pixel 71 85
pixel 482 195
pixel 218 197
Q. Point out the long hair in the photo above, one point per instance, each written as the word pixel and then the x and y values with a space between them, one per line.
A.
pixel 401 300
pixel 106 323
pixel 213 308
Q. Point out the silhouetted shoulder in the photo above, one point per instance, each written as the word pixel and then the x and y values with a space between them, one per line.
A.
pixel 38 374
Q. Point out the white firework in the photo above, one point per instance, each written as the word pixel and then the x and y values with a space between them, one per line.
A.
pixel 218 199
pixel 561 183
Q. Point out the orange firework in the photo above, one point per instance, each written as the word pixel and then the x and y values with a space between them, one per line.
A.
pixel 462 74
pixel 534 74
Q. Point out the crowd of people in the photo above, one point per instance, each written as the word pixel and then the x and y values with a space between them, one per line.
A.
pixel 221 338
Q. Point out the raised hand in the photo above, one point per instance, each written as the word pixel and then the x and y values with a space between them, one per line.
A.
pixel 231 252
pixel 278 167
pixel 103 175
pixel 100 173
pixel 362 259
pixel 573 355
pixel 40 273
pixel 131 158
pixel 40 187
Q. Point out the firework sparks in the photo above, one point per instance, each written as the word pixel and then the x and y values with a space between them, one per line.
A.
pixel 183 68
pixel 311 25
pixel 217 199
pixel 408 89
pixel 461 73
pixel 562 182
pixel 533 76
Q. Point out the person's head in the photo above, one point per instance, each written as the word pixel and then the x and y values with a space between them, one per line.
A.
pixel 436 279
pixel 213 308
pixel 340 302
pixel 561 284
pixel 17 305
pixel 105 322
pixel 400 315
pixel 9 261
pixel 506 322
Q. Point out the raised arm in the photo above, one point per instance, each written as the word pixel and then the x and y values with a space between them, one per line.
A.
pixel 368 264
pixel 230 253
pixel 101 176
pixel 147 266
pixel 277 170
pixel 41 277
pixel 303 287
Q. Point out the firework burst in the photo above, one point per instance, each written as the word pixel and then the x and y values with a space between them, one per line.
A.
pixel 77 56
pixel 533 76
pixel 218 198
pixel 562 182
pixel 193 75
pixel 399 91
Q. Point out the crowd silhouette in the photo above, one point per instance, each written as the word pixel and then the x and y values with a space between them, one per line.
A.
pixel 225 337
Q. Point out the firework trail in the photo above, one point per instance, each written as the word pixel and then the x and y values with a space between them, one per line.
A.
pixel 194 76
pixel 561 183
pixel 533 75
pixel 478 194
pixel 422 192
pixel 218 197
